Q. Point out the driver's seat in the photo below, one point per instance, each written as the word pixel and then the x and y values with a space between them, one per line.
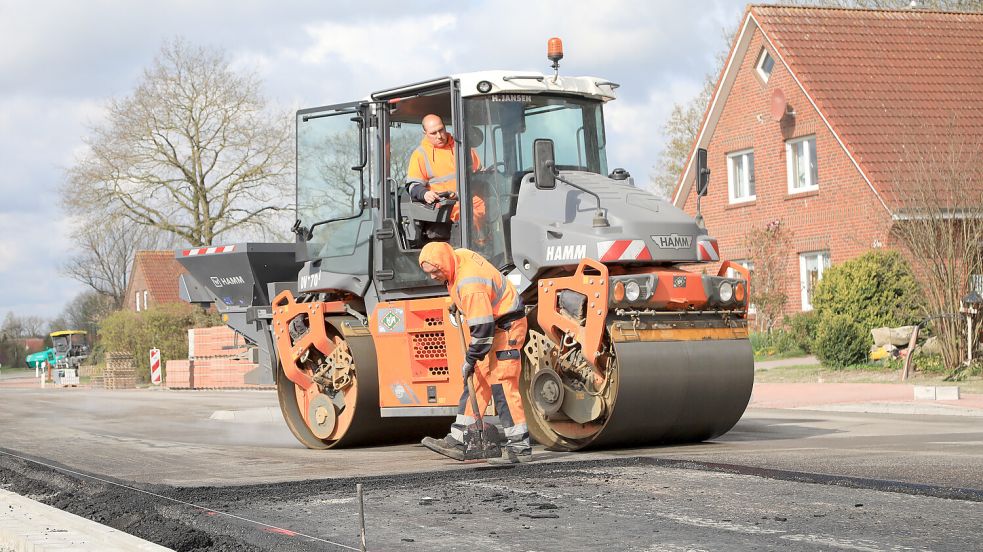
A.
pixel 421 223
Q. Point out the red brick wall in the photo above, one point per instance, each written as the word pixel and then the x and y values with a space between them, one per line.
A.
pixel 843 217
pixel 137 284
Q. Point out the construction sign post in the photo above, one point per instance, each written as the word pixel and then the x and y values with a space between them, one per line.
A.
pixel 155 377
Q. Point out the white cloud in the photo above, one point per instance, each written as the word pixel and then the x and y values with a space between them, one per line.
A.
pixel 61 61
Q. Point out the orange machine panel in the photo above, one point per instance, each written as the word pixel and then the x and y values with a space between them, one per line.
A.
pixel 419 353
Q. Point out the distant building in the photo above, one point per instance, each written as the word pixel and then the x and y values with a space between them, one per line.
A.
pixel 153 280
pixel 813 121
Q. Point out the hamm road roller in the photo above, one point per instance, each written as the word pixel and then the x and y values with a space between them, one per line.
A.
pixel 631 340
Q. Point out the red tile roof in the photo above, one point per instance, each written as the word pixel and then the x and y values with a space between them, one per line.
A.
pixel 897 87
pixel 161 271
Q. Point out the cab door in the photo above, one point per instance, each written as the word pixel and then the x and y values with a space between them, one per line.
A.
pixel 396 260
pixel 334 218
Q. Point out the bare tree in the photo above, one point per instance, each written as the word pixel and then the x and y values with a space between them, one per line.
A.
pixel 13 331
pixel 106 245
pixel 768 249
pixel 194 150
pixel 23 326
pixel 85 312
pixel 680 133
pixel 939 187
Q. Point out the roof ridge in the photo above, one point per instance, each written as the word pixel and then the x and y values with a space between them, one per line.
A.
pixel 849 9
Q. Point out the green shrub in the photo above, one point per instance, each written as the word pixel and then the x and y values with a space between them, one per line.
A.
pixel 776 343
pixel 164 327
pixel 840 342
pixel 802 327
pixel 929 364
pixel 876 289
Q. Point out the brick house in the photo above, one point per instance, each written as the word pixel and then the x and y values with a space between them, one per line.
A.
pixel 153 280
pixel 813 119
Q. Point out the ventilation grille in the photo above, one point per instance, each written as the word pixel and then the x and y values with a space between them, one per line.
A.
pixel 429 345
pixel 439 371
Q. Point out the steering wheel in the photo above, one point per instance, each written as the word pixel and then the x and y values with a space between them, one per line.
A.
pixel 444 199
pixel 498 167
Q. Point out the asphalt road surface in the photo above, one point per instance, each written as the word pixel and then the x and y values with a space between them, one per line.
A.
pixel 220 471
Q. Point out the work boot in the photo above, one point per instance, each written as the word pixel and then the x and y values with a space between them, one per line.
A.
pixel 446 446
pixel 512 457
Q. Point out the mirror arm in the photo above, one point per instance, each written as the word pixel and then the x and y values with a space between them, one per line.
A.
pixel 601 217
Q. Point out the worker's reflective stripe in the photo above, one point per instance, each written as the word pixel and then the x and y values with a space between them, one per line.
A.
pixel 479 280
pixel 426 161
pixel 461 422
pixel 517 430
pixel 499 289
pixel 440 179
pixel 498 292
pixel 516 305
pixel 482 340
pixel 481 320
pixel 432 178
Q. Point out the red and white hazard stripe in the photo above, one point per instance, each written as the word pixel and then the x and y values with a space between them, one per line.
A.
pixel 707 249
pixel 208 250
pixel 155 376
pixel 623 250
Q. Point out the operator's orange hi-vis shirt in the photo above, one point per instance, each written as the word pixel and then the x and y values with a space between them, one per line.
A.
pixel 435 168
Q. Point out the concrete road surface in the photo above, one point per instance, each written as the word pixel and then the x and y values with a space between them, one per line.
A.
pixel 789 478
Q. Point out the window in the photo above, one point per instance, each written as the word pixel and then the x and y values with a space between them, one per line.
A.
pixel 749 265
pixel 811 268
pixel 137 297
pixel 803 176
pixel 146 299
pixel 765 64
pixel 740 176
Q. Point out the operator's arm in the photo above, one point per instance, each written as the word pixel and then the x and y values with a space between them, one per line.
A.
pixel 475 162
pixel 481 323
pixel 417 178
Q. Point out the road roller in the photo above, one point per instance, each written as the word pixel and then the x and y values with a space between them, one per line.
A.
pixel 638 330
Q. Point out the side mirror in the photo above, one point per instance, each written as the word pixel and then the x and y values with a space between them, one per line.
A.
pixel 544 162
pixel 702 172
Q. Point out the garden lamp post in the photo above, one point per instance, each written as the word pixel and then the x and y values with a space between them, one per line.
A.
pixel 971 305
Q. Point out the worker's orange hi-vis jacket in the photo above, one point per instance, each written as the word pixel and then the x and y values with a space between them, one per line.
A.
pixel 435 169
pixel 479 290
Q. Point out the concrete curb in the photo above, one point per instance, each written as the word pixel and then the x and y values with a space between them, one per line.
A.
pixel 29 526
pixel 918 409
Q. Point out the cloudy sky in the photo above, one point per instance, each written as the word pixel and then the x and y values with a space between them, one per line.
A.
pixel 61 61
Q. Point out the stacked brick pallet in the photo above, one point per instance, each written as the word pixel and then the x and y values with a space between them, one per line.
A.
pixel 177 373
pixel 218 359
pixel 120 372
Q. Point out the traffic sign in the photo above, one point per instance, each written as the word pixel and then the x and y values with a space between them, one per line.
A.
pixel 155 377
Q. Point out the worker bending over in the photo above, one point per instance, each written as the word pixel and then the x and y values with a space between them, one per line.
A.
pixel 492 309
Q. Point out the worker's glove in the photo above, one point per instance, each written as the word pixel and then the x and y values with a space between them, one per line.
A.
pixel 466 370
pixel 453 310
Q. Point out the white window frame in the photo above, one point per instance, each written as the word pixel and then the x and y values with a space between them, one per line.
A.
pixel 812 179
pixel 822 263
pixel 731 273
pixel 146 299
pixel 759 66
pixel 742 157
pixel 137 297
